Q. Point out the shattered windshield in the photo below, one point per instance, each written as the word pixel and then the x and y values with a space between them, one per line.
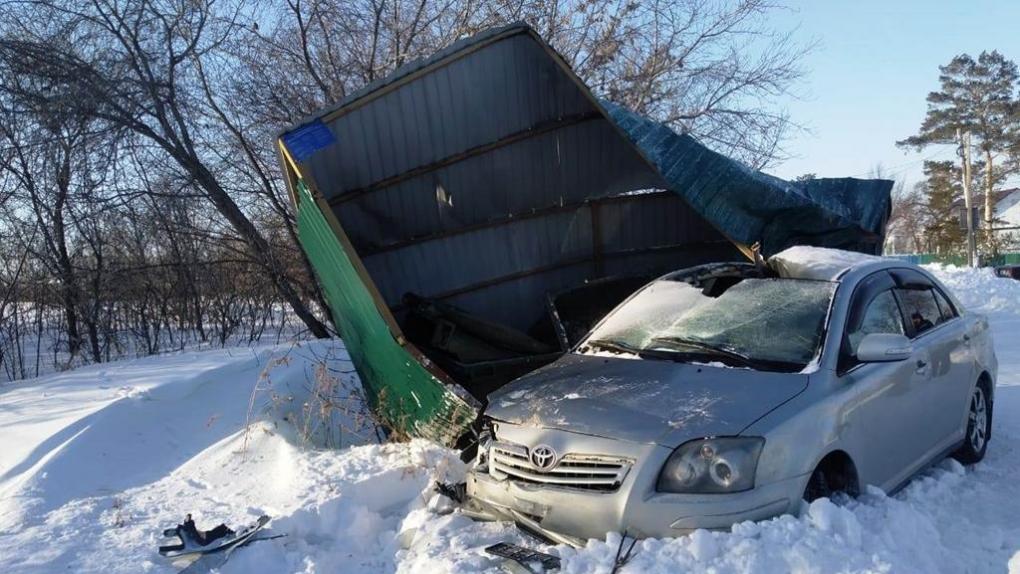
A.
pixel 769 323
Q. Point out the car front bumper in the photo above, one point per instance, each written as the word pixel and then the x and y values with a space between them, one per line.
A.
pixel 571 515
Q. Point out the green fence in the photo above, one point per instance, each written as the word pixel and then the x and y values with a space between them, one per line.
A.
pixel 401 390
pixel 1003 259
pixel 959 259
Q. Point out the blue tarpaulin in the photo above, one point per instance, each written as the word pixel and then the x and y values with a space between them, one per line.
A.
pixel 749 206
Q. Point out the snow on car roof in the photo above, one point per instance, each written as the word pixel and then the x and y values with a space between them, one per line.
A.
pixel 819 263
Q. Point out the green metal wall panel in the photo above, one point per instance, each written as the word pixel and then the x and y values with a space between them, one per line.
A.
pixel 406 395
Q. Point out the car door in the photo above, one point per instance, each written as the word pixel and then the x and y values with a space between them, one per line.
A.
pixel 884 418
pixel 964 363
pixel 943 365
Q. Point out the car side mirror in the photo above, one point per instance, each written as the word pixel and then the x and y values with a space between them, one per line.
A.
pixel 883 348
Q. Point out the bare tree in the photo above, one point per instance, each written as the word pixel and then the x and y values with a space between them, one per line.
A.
pixel 908 221
pixel 132 64
pixel 141 204
pixel 47 160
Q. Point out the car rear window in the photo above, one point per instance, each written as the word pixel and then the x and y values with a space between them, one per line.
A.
pixel 921 309
pixel 945 307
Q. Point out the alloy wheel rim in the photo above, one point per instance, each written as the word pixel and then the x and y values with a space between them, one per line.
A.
pixel 978 420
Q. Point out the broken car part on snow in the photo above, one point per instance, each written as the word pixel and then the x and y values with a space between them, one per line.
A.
pixel 471 216
pixel 203 544
pixel 521 560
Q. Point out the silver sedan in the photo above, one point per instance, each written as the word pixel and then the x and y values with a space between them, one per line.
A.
pixel 731 392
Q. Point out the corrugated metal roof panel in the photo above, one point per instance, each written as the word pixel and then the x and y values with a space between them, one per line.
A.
pixel 432 167
pixel 489 176
pixel 558 167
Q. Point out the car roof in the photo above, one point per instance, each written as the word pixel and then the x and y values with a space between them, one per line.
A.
pixel 840 266
pixel 821 263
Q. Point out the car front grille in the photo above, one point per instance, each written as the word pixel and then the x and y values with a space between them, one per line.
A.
pixel 577 471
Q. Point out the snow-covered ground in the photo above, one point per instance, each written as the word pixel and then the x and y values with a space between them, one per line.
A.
pixel 41 349
pixel 95 462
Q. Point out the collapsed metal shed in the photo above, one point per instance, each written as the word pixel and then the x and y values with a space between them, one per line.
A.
pixel 470 214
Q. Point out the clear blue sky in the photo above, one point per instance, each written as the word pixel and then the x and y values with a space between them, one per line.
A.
pixel 867 80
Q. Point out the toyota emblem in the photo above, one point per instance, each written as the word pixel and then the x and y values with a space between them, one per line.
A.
pixel 543 457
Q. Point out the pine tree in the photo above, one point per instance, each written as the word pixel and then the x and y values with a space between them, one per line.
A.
pixel 942 188
pixel 976 96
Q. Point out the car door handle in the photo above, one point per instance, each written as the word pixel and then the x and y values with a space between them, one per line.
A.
pixel 922 367
pixel 966 339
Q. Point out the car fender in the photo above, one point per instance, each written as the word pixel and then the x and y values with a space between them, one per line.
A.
pixel 984 349
pixel 799 433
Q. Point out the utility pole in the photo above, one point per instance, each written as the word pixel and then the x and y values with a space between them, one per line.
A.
pixel 971 248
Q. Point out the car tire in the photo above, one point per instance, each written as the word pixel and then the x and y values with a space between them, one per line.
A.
pixel 817 486
pixel 979 426
pixel 835 479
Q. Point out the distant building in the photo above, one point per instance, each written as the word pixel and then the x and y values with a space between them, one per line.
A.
pixel 1006 222
pixel 1007 209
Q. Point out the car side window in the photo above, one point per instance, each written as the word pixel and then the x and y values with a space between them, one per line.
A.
pixel 881 316
pixel 920 308
pixel 945 307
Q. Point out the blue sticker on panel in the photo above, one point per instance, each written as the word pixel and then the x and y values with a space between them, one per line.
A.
pixel 304 141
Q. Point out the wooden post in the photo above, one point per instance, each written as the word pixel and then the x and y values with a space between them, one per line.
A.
pixel 990 244
pixel 971 248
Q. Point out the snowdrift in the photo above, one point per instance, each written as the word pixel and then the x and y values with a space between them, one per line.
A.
pixel 95 462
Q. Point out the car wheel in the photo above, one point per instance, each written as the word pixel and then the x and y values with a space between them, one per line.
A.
pixel 817 486
pixel 835 477
pixel 979 426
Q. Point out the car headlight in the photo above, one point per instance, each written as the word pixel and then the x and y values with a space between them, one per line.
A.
pixel 484 442
pixel 712 465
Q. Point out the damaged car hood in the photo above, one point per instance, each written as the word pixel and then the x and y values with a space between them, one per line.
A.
pixel 664 402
